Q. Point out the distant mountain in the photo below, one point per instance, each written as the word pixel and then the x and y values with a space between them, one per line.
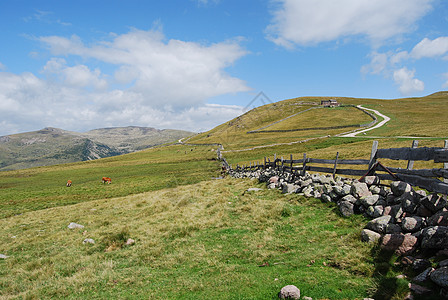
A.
pixel 51 146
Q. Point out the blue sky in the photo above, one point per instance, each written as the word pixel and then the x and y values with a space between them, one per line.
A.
pixel 194 64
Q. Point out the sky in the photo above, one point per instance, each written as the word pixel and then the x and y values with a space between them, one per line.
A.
pixel 194 64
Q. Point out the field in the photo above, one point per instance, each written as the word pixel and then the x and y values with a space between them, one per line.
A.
pixel 198 237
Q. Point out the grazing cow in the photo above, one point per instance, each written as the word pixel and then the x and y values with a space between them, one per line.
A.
pixel 107 179
pixel 69 183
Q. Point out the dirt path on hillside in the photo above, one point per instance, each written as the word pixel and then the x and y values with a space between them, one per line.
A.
pixel 385 120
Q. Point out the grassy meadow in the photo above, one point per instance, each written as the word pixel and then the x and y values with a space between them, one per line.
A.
pixel 197 237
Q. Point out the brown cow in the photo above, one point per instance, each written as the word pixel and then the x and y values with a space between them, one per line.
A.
pixel 69 183
pixel 107 179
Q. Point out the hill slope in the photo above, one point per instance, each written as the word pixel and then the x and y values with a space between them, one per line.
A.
pixel 51 146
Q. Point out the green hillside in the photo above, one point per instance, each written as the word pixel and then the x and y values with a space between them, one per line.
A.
pixel 197 237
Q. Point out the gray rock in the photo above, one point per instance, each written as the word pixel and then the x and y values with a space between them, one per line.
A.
pixel 440 277
pixel 399 243
pixel 443 263
pixel 3 256
pixel 423 211
pixel 418 290
pixel 346 208
pixel 371 180
pixel 377 211
pixel 379 224
pixel 289 292
pixel 423 276
pixel 130 242
pixel 349 198
pixel 399 188
pixel 374 189
pixel 75 226
pixel 253 190
pixel 439 219
pixel 396 211
pixel 393 228
pixel 435 237
pixel 360 189
pixel 88 241
pixel 308 192
pixel 369 200
pixel 420 264
pixel 370 236
pixel 288 188
pixel 411 224
pixel 433 202
pixel 325 198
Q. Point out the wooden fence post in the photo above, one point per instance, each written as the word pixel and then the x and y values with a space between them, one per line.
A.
pixel 304 164
pixel 372 160
pixel 445 166
pixel 265 162
pixel 411 162
pixel 335 164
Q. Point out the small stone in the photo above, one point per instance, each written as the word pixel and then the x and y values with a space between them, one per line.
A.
pixel 411 224
pixel 370 236
pixel 379 224
pixel 399 243
pixel 3 256
pixel 439 219
pixel 289 292
pixel 399 188
pixel 88 241
pixel 130 242
pixel 253 190
pixel 346 208
pixel 371 180
pixel 360 189
pixel 369 200
pixel 418 289
pixel 440 277
pixel 75 225
pixel 433 202
pixel 307 298
pixel 423 276
pixel 435 237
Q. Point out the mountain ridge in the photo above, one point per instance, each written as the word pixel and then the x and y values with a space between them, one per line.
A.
pixel 50 145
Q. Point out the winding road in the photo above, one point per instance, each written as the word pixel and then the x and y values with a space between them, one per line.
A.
pixel 385 120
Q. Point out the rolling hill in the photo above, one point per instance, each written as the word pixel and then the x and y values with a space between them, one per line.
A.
pixel 196 237
pixel 51 146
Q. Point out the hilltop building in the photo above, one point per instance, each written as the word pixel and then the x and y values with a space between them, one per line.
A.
pixel 329 103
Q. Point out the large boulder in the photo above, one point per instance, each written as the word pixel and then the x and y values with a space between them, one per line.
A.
pixel 289 292
pixel 435 237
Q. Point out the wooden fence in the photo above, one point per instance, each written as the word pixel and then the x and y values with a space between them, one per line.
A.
pixel 430 179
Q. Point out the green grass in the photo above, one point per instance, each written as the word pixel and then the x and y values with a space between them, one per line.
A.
pixel 198 238
pixel 205 241
pixel 44 187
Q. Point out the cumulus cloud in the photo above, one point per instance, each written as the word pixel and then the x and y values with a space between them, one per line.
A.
pixel 430 48
pixel 139 78
pixel 169 72
pixel 309 22
pixel 406 81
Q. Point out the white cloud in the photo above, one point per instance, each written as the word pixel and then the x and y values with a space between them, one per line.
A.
pixel 171 72
pixel 406 81
pixel 430 48
pixel 138 78
pixel 309 22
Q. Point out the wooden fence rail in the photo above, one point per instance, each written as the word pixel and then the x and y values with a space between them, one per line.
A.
pixel 425 178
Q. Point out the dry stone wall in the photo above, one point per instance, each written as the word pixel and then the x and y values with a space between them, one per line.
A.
pixel 409 222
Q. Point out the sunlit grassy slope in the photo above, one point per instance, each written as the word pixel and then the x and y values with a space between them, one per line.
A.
pixel 198 238
pixel 204 241
pixel 417 117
